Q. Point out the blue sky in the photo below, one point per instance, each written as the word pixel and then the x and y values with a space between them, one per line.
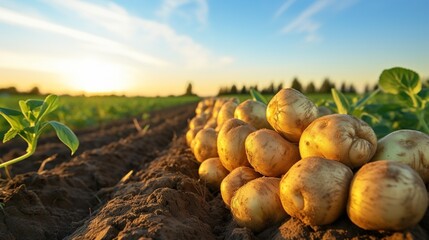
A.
pixel 150 47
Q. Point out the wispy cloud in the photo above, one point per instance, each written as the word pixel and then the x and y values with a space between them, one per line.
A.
pixel 283 8
pixel 305 22
pixel 200 10
pixel 117 20
pixel 15 18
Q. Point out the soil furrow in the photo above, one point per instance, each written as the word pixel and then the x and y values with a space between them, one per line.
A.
pixel 163 201
pixel 51 204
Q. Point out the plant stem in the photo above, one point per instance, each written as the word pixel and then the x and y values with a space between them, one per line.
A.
pixel 30 151
pixel 422 122
pixel 413 98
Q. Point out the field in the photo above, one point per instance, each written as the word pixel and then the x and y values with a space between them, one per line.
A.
pixel 128 183
pixel 82 112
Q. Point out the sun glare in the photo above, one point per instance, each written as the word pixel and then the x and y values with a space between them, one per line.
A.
pixel 97 76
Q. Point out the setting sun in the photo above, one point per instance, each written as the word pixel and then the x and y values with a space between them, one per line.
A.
pixel 96 76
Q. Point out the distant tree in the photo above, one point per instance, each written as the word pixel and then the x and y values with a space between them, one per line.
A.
pixel 9 90
pixel 223 91
pixel 269 89
pixel 343 87
pixel 326 86
pixel 233 90
pixel 189 90
pixel 244 90
pixel 296 85
pixel 279 87
pixel 34 91
pixel 366 89
pixel 352 89
pixel 311 88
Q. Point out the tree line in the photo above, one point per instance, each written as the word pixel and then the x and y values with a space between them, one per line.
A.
pixel 310 88
pixel 14 91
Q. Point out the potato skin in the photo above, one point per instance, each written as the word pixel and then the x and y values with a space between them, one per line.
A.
pixel 254 113
pixel 234 180
pixel 269 153
pixel 315 190
pixel 257 205
pixel 190 135
pixel 339 137
pixel 289 112
pixel 212 172
pixel 198 121
pixel 386 195
pixel 227 111
pixel 204 145
pixel 406 146
pixel 230 143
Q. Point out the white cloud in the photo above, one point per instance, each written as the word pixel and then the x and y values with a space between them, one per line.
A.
pixel 283 8
pixel 305 22
pixel 171 7
pixel 15 18
pixel 117 20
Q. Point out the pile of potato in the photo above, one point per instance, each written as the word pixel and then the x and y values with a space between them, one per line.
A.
pixel 285 158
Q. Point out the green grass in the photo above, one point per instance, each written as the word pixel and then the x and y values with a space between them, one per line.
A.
pixel 80 112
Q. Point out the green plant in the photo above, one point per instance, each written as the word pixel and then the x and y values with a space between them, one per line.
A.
pixel 356 107
pixel 404 104
pixel 29 123
pixel 406 84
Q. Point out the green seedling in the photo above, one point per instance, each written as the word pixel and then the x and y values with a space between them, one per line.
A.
pixel 29 123
pixel 355 108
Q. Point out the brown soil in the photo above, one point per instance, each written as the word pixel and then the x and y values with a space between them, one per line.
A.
pixel 94 194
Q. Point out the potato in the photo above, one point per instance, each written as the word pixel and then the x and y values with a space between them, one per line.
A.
pixel 386 195
pixel 190 135
pixel 198 121
pixel 217 106
pixel 406 146
pixel 227 111
pixel 315 190
pixel 204 104
pixel 230 143
pixel 211 123
pixel 289 112
pixel 252 112
pixel 339 137
pixel 269 153
pixel 234 180
pixel 212 172
pixel 204 145
pixel 256 205
pixel 323 111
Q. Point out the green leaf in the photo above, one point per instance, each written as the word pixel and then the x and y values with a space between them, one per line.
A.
pixel 13 117
pixel 365 99
pixel 10 135
pixel 341 101
pixel 49 105
pixel 257 96
pixel 399 79
pixel 31 108
pixel 66 135
pixel 424 93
